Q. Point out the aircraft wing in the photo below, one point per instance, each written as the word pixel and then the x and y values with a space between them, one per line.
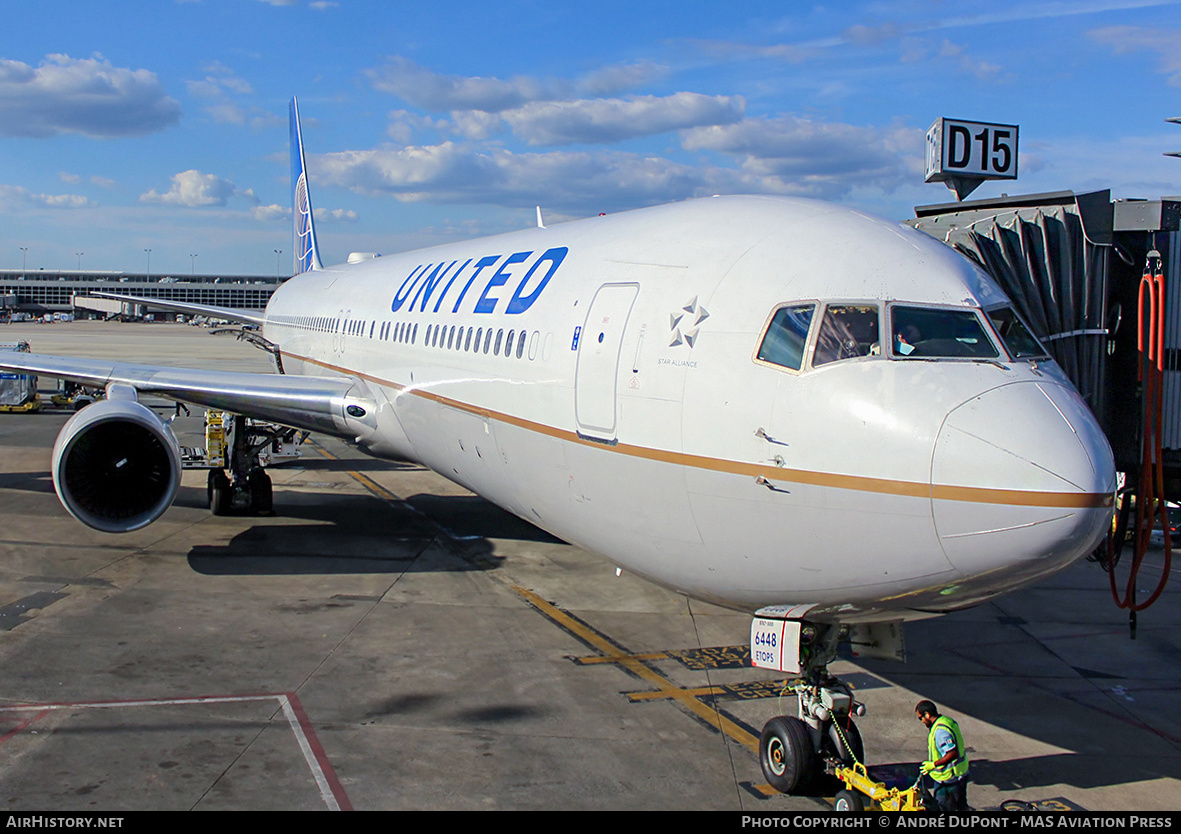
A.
pixel 332 405
pixel 229 313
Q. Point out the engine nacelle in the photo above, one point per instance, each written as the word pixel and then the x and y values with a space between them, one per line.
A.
pixel 116 465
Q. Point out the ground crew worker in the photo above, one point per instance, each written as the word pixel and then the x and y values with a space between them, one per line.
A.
pixel 947 760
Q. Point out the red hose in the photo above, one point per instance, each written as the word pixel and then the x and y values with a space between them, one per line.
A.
pixel 1150 494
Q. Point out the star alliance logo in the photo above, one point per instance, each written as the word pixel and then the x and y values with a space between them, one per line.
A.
pixel 684 323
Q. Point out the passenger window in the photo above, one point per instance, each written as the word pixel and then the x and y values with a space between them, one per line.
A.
pixel 787 335
pixel 923 333
pixel 1020 343
pixel 848 331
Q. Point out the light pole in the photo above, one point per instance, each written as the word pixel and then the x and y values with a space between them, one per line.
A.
pixel 193 264
pixel 24 261
pixel 278 252
pixel 79 254
pixel 149 275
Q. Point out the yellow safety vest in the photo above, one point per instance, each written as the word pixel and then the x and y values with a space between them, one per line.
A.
pixel 957 767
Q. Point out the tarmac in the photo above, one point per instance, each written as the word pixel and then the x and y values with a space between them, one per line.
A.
pixel 389 641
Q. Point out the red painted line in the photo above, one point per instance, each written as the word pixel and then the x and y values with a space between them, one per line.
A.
pixel 288 703
pixel 21 726
pixel 321 757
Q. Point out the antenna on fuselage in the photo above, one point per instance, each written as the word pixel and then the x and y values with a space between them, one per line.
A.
pixel 540 223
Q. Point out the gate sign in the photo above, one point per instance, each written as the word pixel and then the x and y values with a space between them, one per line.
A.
pixel 971 150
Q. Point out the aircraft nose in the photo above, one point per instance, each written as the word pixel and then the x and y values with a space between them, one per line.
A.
pixel 1022 478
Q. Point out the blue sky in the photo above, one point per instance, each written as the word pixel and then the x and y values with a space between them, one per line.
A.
pixel 161 125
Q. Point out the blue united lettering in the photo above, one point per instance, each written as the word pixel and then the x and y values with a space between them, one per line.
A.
pixel 428 286
pixel 419 287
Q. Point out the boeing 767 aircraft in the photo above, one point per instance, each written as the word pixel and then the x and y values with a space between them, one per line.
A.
pixel 721 395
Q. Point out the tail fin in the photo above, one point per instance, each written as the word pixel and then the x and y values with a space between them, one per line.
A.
pixel 307 253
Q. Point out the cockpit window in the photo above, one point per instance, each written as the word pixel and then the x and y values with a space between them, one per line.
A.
pixel 848 331
pixel 925 333
pixel 1020 343
pixel 787 335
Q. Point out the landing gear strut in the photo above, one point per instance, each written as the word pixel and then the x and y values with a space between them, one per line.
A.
pixel 797 752
pixel 247 487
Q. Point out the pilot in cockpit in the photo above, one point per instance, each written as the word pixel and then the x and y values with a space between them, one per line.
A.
pixel 906 338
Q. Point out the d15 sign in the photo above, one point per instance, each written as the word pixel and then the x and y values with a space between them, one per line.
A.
pixel 974 150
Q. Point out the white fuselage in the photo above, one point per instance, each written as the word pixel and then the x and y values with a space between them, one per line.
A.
pixel 617 399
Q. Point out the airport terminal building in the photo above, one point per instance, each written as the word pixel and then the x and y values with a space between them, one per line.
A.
pixel 52 291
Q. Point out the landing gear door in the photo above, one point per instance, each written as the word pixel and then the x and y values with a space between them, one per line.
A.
pixel 599 344
pixel 880 641
pixel 775 644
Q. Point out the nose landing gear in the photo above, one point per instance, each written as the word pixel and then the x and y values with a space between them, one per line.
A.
pixel 797 752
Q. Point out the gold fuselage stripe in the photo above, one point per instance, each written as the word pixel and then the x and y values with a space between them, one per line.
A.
pixel 859 483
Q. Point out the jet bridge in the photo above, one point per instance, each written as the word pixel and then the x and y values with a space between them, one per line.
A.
pixel 1099 282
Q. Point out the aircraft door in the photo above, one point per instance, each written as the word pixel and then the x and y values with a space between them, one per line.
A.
pixel 599 345
pixel 338 333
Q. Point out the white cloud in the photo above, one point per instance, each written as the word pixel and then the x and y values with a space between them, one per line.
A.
pixel 618 77
pixel 975 66
pixel 783 155
pixel 227 113
pixel 336 215
pixel 437 92
pixel 873 35
pixel 822 159
pixel 403 124
pixel 613 120
pixel 476 124
pixel 270 213
pixel 275 212
pixel 433 91
pixel 791 52
pixel 1166 43
pixel 219 80
pixel 192 188
pixel 452 173
pixel 93 179
pixel 219 87
pixel 87 96
pixel 14 197
pixel 204 88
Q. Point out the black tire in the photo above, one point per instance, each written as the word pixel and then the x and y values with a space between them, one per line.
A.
pixel 786 754
pixel 262 501
pixel 848 800
pixel 213 477
pixel 219 492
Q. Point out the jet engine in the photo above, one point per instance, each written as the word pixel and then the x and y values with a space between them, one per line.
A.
pixel 116 465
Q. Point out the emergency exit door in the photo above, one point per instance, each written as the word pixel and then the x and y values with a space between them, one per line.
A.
pixel 599 345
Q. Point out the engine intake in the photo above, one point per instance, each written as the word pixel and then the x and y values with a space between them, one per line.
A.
pixel 116 465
